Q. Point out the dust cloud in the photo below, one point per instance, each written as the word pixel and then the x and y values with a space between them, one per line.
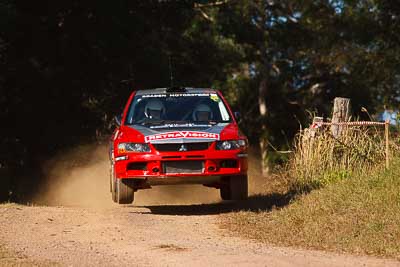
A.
pixel 80 177
pixel 258 184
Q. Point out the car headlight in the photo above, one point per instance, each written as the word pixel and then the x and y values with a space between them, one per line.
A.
pixel 133 147
pixel 230 144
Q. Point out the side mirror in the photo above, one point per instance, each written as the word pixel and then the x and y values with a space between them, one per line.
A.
pixel 118 119
pixel 237 115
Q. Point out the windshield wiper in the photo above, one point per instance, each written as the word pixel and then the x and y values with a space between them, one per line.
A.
pixel 147 121
pixel 204 122
pixel 153 122
pixel 161 122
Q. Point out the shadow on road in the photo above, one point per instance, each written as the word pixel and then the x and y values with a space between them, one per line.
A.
pixel 253 203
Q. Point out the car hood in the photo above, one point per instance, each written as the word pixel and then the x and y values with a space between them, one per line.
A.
pixel 186 134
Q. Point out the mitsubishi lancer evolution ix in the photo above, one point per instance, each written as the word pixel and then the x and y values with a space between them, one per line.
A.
pixel 169 136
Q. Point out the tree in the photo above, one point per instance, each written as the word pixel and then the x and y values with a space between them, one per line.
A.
pixel 64 62
pixel 302 54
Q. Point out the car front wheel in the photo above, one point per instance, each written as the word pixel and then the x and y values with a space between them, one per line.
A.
pixel 124 191
pixel 234 188
pixel 121 189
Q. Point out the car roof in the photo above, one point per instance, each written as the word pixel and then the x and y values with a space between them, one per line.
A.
pixel 179 90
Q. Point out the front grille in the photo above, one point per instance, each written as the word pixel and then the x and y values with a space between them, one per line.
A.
pixel 187 166
pixel 182 147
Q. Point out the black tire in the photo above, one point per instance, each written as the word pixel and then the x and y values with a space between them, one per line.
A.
pixel 225 192
pixel 124 193
pixel 111 179
pixel 239 187
pixel 234 188
pixel 121 189
pixel 112 184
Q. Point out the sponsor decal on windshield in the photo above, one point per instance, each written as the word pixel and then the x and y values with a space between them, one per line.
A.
pixel 180 125
pixel 181 134
pixel 178 95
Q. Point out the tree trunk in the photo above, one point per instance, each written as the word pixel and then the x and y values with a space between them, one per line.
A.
pixel 262 92
pixel 341 113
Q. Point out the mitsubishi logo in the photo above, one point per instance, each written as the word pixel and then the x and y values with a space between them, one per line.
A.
pixel 183 148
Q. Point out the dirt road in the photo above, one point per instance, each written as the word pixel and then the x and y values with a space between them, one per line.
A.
pixel 145 236
pixel 78 225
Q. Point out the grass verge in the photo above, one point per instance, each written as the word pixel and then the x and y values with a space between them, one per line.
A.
pixel 359 214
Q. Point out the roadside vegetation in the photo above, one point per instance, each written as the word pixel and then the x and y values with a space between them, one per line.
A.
pixel 324 159
pixel 342 198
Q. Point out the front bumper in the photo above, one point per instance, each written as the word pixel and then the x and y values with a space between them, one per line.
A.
pixel 152 166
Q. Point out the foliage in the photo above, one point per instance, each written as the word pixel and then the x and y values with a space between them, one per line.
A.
pixel 309 52
pixel 70 67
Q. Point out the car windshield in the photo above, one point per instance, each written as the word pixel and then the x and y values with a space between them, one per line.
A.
pixel 177 108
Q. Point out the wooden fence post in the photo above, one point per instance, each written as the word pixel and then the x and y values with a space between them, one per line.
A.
pixel 387 125
pixel 341 113
pixel 316 124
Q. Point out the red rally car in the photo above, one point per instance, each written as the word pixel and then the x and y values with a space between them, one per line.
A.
pixel 168 136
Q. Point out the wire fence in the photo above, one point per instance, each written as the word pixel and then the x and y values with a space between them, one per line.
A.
pixel 349 123
pixel 318 124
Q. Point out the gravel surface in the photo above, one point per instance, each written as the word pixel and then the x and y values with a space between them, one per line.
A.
pixel 75 223
pixel 186 235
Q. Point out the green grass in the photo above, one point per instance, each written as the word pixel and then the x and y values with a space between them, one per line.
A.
pixel 357 214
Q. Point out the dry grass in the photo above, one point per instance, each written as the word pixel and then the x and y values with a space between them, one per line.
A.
pixel 325 159
pixel 358 215
pixel 344 199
